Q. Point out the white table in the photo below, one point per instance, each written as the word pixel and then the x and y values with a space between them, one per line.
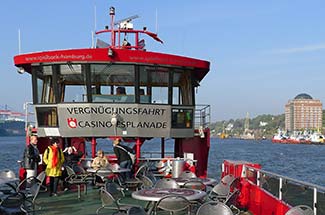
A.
pixel 155 194
pixel 106 171
pixel 205 181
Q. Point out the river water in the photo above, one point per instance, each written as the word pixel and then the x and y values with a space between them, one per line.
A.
pixel 302 162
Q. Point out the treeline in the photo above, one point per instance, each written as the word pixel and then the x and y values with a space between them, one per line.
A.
pixel 263 125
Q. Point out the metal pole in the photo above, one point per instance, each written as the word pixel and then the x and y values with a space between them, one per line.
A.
pixel 93 147
pixel 137 150
pixel 280 189
pixel 162 147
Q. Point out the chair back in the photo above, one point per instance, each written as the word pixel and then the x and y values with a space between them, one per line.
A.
pixel 41 177
pixel 232 198
pixel 166 183
pixel 146 182
pixel 14 200
pixel 79 169
pixel 300 210
pixel 173 203
pixel 195 184
pixel 107 199
pixel 188 174
pixel 214 208
pixel 114 189
pixel 227 179
pixel 136 211
pixel 220 190
pixel 70 171
pixel 142 170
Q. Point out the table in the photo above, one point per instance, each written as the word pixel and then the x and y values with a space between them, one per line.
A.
pixel 155 194
pixel 205 181
pixel 102 172
pixel 107 171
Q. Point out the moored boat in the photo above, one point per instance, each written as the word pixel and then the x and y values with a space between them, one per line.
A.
pixel 123 91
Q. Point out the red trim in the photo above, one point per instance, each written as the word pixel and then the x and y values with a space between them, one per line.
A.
pixel 119 55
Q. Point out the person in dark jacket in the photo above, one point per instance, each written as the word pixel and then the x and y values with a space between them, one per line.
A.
pixel 123 158
pixel 31 158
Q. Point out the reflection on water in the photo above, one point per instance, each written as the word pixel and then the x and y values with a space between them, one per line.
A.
pixel 302 162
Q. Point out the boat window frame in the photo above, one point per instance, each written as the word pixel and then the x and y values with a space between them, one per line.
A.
pixel 172 70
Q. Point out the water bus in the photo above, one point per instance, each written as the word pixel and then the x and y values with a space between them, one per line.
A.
pixel 118 89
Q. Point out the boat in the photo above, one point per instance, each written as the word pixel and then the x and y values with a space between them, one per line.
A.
pixel 75 100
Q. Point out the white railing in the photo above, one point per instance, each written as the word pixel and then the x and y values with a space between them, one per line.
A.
pixel 202 116
pixel 305 190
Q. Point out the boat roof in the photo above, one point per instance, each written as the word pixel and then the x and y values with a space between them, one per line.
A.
pixel 100 55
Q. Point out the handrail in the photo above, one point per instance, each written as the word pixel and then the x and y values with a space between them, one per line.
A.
pixel 202 116
pixel 310 185
pixel 316 188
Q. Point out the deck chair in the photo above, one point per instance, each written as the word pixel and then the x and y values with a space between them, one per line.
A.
pixel 136 182
pixel 111 196
pixel 136 211
pixel 12 204
pixel 32 180
pixel 188 174
pixel 166 183
pixel 31 194
pixel 75 179
pixel 224 188
pixel 214 208
pixel 172 204
pixel 300 210
pixel 231 201
pixel 109 202
pixel 81 172
pixel 147 183
pixel 117 192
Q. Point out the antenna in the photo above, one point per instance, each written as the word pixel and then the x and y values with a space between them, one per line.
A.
pixel 93 35
pixel 19 42
pixel 156 21
pixel 128 19
pixel 95 18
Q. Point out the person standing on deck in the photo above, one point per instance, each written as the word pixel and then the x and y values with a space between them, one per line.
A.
pixel 31 158
pixel 123 158
pixel 54 159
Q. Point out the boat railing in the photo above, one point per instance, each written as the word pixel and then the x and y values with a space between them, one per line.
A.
pixel 292 191
pixel 155 154
pixel 202 116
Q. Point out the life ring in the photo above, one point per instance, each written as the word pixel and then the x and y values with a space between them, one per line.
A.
pixel 164 167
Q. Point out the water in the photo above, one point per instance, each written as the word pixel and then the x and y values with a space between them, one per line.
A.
pixel 302 162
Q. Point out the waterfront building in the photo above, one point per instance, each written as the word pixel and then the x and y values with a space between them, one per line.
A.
pixel 303 113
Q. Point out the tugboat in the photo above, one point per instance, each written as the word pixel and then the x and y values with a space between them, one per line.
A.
pixel 118 89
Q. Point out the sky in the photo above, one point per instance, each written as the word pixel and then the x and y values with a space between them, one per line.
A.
pixel 262 53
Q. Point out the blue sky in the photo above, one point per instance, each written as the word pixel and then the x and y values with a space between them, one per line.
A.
pixel 262 53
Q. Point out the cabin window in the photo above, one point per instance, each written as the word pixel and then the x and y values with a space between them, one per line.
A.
pixel 112 83
pixel 72 83
pixel 45 93
pixel 158 79
pixel 182 118
pixel 182 88
pixel 47 116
